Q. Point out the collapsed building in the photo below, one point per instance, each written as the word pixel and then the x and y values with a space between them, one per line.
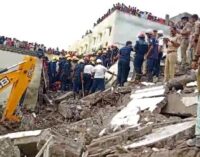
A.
pixel 134 121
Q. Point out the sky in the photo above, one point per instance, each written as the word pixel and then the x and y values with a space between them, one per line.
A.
pixel 59 23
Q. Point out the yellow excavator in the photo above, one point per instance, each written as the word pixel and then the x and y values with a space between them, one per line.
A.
pixel 19 76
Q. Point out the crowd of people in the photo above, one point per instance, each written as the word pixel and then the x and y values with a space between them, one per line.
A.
pixel 87 75
pixel 131 10
pixel 82 74
pixel 28 46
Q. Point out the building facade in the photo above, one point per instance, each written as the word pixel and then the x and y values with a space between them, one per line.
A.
pixel 116 29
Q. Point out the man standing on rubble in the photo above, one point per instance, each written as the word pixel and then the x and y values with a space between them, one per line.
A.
pixel 196 34
pixel 52 73
pixel 87 76
pixel 173 42
pixel 141 48
pixel 124 63
pixel 78 78
pixel 185 33
pixel 65 74
pixel 99 77
pixel 152 57
pixel 160 53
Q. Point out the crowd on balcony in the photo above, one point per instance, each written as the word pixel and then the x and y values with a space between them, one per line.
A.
pixel 131 10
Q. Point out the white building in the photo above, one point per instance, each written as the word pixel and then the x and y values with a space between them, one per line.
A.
pixel 116 29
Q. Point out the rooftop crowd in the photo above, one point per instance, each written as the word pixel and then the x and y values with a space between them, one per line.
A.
pixel 130 10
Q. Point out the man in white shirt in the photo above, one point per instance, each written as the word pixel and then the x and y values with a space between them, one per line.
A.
pixel 99 77
pixel 87 77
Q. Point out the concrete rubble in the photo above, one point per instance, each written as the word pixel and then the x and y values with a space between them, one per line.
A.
pixel 137 120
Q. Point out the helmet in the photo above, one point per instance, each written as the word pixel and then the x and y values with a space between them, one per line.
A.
pixel 67 55
pixel 92 59
pixel 81 61
pixel 99 61
pixel 141 34
pixel 69 58
pixel 75 58
pixel 160 32
pixel 54 58
pixel 149 31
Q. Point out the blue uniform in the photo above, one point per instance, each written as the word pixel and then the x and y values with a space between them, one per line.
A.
pixel 65 76
pixel 152 59
pixel 141 48
pixel 123 65
pixel 52 73
pixel 77 84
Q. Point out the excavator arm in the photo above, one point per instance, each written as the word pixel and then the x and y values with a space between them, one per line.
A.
pixel 19 79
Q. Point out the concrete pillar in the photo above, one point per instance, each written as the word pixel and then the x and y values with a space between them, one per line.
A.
pixel 31 97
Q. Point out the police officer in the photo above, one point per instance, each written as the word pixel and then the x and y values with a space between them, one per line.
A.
pixel 173 42
pixel 141 48
pixel 124 63
pixel 185 33
pixel 78 78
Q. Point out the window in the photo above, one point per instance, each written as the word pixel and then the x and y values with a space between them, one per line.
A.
pixel 100 36
pixel 106 44
pixel 110 30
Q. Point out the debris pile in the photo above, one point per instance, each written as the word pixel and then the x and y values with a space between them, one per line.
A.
pixel 137 120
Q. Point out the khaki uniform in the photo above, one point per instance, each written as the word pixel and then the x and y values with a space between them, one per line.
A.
pixel 185 42
pixel 171 58
pixel 192 45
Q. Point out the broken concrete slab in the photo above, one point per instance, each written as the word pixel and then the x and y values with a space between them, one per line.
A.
pixel 99 145
pixel 148 92
pixel 7 148
pixel 129 115
pixel 192 84
pixel 63 97
pixel 161 136
pixel 65 147
pixel 183 104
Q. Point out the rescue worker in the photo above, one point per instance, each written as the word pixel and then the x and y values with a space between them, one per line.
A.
pixel 124 63
pixel 108 58
pixel 103 57
pixel 114 54
pixel 78 78
pixel 173 42
pixel 152 56
pixel 185 33
pixel 87 77
pixel 61 63
pixel 52 73
pixel 65 75
pixel 160 53
pixel 99 77
pixel 148 34
pixel 141 48
pixel 99 55
pixel 196 141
